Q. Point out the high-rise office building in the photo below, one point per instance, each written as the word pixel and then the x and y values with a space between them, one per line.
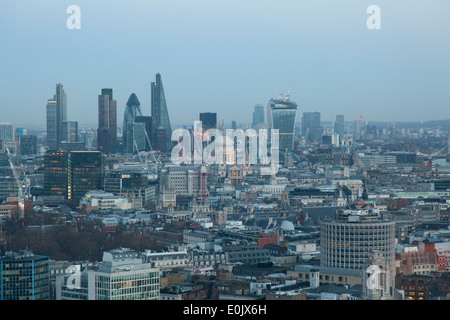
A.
pixel 24 276
pixel 339 125
pixel 71 174
pixel 258 116
pixel 360 124
pixel 136 140
pixel 147 121
pixel 51 124
pixel 281 114
pixel 209 120
pixel 311 125
pixel 7 137
pixel 56 116
pixel 86 171
pixel 70 131
pixel 28 144
pixel 132 110
pixel 107 122
pixel 162 130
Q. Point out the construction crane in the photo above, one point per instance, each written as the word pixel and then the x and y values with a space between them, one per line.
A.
pixel 151 149
pixel 137 149
pixel 20 184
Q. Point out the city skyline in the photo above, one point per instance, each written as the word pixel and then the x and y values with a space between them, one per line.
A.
pixel 228 56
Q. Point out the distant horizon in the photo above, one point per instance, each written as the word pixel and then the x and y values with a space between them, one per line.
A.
pixel 225 56
pixel 298 121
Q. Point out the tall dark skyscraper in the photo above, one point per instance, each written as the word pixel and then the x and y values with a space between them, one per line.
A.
pixel 209 120
pixel 281 116
pixel 310 120
pixel 132 110
pixel 107 122
pixel 162 131
pixel 339 125
pixel 311 128
pixel 56 116
pixel 147 121
pixel 51 124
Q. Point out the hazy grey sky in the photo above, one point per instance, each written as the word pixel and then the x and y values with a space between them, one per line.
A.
pixel 225 56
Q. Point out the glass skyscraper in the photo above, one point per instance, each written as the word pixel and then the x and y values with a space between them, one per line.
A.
pixel 107 122
pixel 209 120
pixel 281 116
pixel 162 130
pixel 132 110
pixel 56 116
pixel 339 125
pixel 51 124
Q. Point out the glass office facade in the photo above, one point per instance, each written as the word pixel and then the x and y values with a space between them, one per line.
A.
pixel 283 112
pixel 86 173
pixel 132 110
pixel 24 276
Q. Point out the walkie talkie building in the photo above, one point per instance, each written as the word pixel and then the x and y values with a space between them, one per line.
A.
pixel 281 114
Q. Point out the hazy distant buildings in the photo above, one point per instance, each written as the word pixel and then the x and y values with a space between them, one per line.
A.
pixel 359 124
pixel 339 125
pixel 28 144
pixel 258 116
pixel 107 122
pixel 6 131
pixel 162 131
pixel 6 136
pixel 281 115
pixel 311 128
pixel 70 131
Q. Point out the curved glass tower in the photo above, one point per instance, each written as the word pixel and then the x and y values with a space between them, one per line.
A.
pixel 281 115
pixel 132 110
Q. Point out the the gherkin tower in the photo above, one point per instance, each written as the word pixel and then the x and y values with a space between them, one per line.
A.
pixel 132 110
